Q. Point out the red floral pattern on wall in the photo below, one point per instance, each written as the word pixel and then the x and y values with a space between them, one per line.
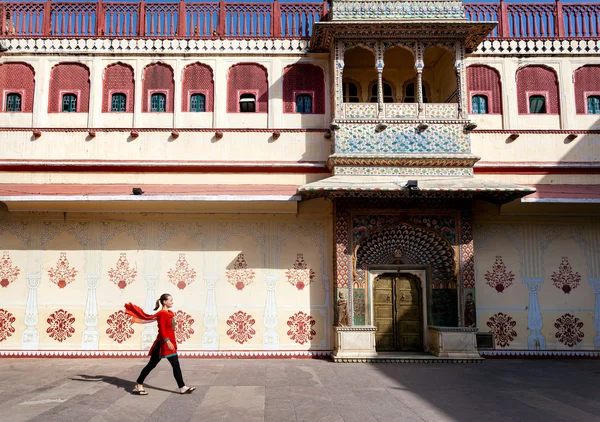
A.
pixel 499 278
pixel 119 327
pixel 63 274
pixel 566 279
pixel 121 274
pixel 568 330
pixel 241 327
pixel 6 324
pixel 8 272
pixel 301 328
pixel 300 276
pixel 182 275
pixel 183 326
pixel 60 325
pixel 240 275
pixel 502 326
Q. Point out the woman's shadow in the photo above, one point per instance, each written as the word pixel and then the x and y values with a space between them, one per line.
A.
pixel 126 385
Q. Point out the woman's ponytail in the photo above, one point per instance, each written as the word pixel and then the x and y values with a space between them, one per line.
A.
pixel 157 304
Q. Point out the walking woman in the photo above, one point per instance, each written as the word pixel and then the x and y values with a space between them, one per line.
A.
pixel 165 345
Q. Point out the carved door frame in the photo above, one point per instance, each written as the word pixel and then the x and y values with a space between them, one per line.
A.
pixel 420 271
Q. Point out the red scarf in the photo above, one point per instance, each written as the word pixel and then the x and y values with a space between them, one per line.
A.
pixel 138 315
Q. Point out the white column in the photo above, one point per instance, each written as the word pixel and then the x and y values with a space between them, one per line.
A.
pixel 42 91
pixel 137 98
pixel 95 108
pixel 220 99
pixel 536 340
pixel 270 337
pixel 149 333
pixel 210 337
pixel 566 96
pixel 31 336
pixel 177 95
pixel 275 78
pixel 595 283
pixel 510 105
pixel 90 339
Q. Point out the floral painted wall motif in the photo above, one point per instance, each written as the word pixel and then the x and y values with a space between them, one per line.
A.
pixel 240 275
pixel 121 274
pixel 568 330
pixel 8 272
pixel 119 327
pixel 502 326
pixel 183 324
pixel 359 304
pixel 60 325
pixel 499 278
pixel 6 324
pixel 182 275
pixel 241 327
pixel 301 327
pixel 300 276
pixel 63 274
pixel 566 279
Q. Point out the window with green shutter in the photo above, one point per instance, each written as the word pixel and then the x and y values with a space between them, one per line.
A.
pixel 537 104
pixel 13 102
pixel 303 103
pixel 593 104
pixel 479 104
pixel 118 102
pixel 69 103
pixel 158 103
pixel 198 103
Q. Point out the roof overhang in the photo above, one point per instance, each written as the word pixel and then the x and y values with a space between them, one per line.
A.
pixel 432 187
pixel 564 194
pixel 472 33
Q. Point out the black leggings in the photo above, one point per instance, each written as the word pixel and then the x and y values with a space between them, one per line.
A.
pixel 154 359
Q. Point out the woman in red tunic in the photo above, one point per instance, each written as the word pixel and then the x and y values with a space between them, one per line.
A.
pixel 165 345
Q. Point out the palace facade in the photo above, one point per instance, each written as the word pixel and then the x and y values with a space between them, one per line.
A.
pixel 363 179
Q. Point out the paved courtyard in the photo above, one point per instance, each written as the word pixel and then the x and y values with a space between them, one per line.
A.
pixel 300 390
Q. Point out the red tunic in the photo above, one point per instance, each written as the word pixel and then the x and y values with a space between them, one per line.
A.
pixel 166 327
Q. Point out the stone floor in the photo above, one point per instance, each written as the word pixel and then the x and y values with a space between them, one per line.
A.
pixel 301 390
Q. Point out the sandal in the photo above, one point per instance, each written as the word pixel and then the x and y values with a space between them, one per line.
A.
pixel 188 391
pixel 141 392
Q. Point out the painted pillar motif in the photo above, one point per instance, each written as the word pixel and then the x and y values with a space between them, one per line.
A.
pixel 270 337
pixel 419 65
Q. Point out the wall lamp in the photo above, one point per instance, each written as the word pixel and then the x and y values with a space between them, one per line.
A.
pixel 37 133
pixel 175 134
pixel 137 191
pixel 276 135
pixel 92 133
pixel 218 134
pixel 513 136
pixel 470 127
pixel 134 134
pixel 422 127
pixel 381 127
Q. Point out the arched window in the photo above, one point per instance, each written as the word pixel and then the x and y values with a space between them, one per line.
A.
pixel 13 102
pixel 69 103
pixel 350 92
pixel 118 102
pixel 304 103
pixel 593 104
pixel 387 93
pixel 537 104
pixel 409 93
pixel 479 104
pixel 198 103
pixel 247 103
pixel 158 103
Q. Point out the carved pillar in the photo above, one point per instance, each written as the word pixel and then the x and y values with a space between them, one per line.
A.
pixel 536 340
pixel 460 77
pixel 90 339
pixel 210 337
pixel 379 64
pixel 270 337
pixel 31 336
pixel 338 90
pixel 419 85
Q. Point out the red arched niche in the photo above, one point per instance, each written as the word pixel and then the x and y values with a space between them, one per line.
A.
pixel 247 78
pixel 587 82
pixel 198 79
pixel 118 78
pixel 158 78
pixel 300 79
pixel 537 79
pixel 19 78
pixel 485 80
pixel 69 78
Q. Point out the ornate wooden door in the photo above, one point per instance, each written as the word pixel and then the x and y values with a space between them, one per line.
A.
pixel 397 306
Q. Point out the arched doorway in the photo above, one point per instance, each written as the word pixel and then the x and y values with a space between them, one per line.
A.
pixel 398 312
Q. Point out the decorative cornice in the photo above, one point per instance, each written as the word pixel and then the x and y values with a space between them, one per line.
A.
pixel 539 131
pixel 358 10
pixel 147 129
pixel 536 46
pixel 407 160
pixel 215 354
pixel 153 46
